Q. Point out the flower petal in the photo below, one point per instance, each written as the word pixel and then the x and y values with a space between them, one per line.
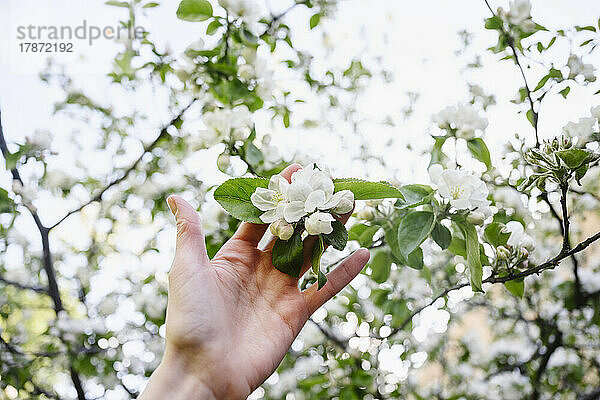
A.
pixel 293 211
pixel 269 216
pixel 263 199
pixel 314 200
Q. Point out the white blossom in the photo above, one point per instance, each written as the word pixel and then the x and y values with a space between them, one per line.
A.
pixel 465 119
pixel 312 189
pixel 518 238
pixel 271 156
pixel 41 139
pixel 247 10
pixel 318 223
pixel 595 111
pixel 578 67
pixel 583 128
pixel 464 190
pixel 226 123
pixel 272 200
pixel 519 11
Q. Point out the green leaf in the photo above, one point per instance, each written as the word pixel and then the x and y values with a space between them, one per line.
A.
pixel 391 238
pixel 213 26
pixel 473 256
pixel 381 266
pixel 194 10
pixel 580 173
pixel 415 259
pixel 234 196
pixel 494 23
pixel 565 92
pixel 287 255
pixel 415 195
pixel 321 280
pixel 365 190
pixel 6 204
pixel 573 158
pixel 441 235
pixel 117 3
pixel 338 237
pixel 437 154
pixel 315 259
pixel 363 234
pixel 516 287
pixel 314 20
pixel 530 117
pixel 458 247
pixel 413 230
pixel 151 5
pixel 480 151
pixel 494 235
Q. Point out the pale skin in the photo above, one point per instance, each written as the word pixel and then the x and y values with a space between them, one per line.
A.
pixel 230 320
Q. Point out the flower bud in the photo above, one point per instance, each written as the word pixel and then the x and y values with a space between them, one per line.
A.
pixel 476 218
pixel 223 162
pixel 365 214
pixel 527 243
pixel 281 229
pixel 502 253
pixel 523 253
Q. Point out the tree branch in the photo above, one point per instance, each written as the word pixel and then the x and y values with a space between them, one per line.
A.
pixel 53 290
pixel 511 44
pixel 147 148
pixel 18 285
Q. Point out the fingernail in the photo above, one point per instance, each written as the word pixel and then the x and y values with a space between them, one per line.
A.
pixel 172 204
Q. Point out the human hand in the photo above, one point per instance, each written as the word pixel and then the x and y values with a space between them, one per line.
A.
pixel 231 320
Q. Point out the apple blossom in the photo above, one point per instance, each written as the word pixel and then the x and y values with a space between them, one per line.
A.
pixel 464 190
pixel 272 200
pixel 318 223
pixel 518 237
pixel 578 67
pixel 311 189
pixel 583 128
pixel 225 123
pixel 463 118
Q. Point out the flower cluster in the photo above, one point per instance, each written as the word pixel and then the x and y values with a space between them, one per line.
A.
pixel 247 10
pixel 578 67
pixel 584 128
pixel 461 119
pixel 226 124
pixel 519 14
pixel 308 199
pixel 464 190
pixel 518 246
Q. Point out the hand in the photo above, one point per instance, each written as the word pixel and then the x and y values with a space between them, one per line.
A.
pixel 231 320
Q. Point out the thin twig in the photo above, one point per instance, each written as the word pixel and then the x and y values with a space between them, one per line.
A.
pixel 147 148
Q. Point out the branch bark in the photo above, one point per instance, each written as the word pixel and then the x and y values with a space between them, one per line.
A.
pixel 53 289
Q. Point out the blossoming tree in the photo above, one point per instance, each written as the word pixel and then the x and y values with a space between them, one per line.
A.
pixel 480 285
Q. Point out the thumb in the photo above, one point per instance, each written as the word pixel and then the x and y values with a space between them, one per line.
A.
pixel 190 246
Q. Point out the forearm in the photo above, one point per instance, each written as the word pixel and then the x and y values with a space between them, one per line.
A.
pixel 171 381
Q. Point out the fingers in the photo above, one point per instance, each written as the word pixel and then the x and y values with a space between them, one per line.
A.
pixel 190 247
pixel 336 280
pixel 252 233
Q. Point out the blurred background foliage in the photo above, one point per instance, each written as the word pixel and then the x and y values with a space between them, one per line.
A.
pixel 83 294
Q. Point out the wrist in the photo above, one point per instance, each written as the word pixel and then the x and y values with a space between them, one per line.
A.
pixel 172 379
